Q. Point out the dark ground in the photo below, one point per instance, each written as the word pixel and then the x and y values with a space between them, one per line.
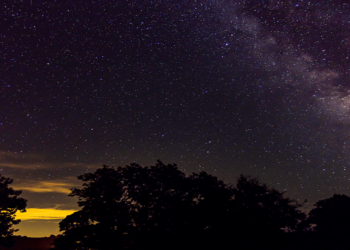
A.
pixel 26 243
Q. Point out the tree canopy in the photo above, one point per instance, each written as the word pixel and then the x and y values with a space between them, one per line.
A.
pixel 263 208
pixel 10 203
pixel 331 216
pixel 159 206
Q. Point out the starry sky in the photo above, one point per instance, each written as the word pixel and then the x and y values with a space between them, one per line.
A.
pixel 228 87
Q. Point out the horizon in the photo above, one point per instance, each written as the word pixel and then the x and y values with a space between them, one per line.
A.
pixel 53 216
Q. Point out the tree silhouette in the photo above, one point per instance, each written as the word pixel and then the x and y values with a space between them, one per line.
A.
pixel 159 207
pixel 263 212
pixel 331 218
pixel 10 203
pixel 265 208
pixel 133 201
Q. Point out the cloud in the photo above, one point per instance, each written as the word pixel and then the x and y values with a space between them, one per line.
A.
pixel 43 214
pixel 33 161
pixel 47 187
pixel 23 160
pixel 20 160
pixel 18 155
pixel 63 185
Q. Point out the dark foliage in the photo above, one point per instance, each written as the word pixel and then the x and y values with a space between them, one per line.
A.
pixel 331 218
pixel 158 207
pixel 10 203
pixel 261 216
pixel 264 209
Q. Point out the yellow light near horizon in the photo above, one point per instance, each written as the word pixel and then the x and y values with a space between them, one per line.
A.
pixel 47 187
pixel 44 214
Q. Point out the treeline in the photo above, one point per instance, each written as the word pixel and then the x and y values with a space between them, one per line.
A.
pixel 158 207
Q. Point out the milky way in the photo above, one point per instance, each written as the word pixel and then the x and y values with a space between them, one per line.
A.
pixel 228 87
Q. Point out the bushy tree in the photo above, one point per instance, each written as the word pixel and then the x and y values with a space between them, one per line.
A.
pixel 159 207
pixel 10 203
pixel 261 208
pixel 260 216
pixel 124 201
pixel 331 216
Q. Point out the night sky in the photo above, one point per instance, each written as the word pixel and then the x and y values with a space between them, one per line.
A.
pixel 227 87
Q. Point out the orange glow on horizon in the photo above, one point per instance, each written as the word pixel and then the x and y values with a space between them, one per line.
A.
pixel 44 214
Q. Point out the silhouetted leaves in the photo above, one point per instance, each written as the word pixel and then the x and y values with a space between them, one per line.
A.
pixel 332 215
pixel 263 209
pixel 10 203
pixel 158 207
pixel 331 220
